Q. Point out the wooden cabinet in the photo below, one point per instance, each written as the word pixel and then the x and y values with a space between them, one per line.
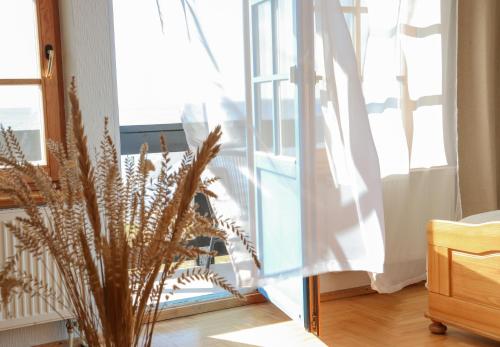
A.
pixel 464 277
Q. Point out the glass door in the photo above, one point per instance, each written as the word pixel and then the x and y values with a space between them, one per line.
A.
pixel 277 100
pixel 166 89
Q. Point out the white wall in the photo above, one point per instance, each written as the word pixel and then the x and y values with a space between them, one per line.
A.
pixel 88 54
pixel 333 281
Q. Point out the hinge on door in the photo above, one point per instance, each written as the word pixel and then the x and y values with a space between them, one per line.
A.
pixel 293 74
pixel 314 308
pixel 314 324
pixel 318 78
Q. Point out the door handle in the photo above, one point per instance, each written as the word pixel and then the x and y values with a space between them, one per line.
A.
pixel 49 55
pixel 293 76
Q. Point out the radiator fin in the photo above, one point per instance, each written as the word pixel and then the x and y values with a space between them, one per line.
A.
pixel 26 309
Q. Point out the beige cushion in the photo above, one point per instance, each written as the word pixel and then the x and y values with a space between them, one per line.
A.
pixel 485 217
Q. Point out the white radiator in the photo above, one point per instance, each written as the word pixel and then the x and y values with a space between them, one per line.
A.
pixel 26 310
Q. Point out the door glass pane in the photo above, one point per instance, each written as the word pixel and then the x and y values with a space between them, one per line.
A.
pixel 285 35
pixel 21 108
pixel 288 116
pixel 263 39
pixel 264 116
pixel 19 56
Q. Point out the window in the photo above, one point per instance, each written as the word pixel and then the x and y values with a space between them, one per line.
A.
pixel 356 16
pixel 150 59
pixel 274 94
pixel 31 94
pixel 170 83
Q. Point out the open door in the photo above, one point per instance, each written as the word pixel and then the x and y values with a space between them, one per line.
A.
pixel 279 105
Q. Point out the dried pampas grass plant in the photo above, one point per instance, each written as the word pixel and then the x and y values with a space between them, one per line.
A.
pixel 115 241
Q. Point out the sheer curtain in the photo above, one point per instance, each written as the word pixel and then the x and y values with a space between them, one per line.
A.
pixel 217 56
pixel 410 90
pixel 409 84
pixel 402 152
pixel 346 230
pixel 349 217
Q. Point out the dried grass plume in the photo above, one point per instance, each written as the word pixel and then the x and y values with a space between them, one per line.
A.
pixel 115 238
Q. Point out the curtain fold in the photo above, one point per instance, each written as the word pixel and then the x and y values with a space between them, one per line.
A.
pixel 349 230
pixel 410 90
pixel 397 144
pixel 348 209
pixel 479 105
pixel 219 58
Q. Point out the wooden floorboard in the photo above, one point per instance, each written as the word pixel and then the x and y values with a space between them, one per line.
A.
pixel 388 320
pixel 368 320
pixel 252 325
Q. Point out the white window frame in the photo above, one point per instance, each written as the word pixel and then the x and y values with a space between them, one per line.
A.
pixel 275 77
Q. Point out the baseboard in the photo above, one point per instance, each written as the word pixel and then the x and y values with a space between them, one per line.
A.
pixel 346 293
pixel 209 306
pixel 76 343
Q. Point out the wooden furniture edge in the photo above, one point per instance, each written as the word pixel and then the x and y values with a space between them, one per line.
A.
pixel 464 237
pixel 446 322
pixel 464 323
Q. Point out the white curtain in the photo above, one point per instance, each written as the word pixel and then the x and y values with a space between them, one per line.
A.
pixel 396 145
pixel 410 90
pixel 349 221
pixel 218 97
pixel 347 226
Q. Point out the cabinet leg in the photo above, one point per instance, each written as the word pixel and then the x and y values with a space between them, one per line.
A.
pixel 437 328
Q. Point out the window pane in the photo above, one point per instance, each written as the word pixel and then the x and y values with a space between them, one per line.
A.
pixel 19 56
pixel 285 35
pixel 288 117
pixel 349 18
pixel 155 75
pixel 21 107
pixel 264 116
pixel 364 37
pixel 263 54
pixel 346 2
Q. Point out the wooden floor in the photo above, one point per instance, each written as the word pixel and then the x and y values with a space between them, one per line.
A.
pixel 369 320
pixel 388 320
pixel 253 325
